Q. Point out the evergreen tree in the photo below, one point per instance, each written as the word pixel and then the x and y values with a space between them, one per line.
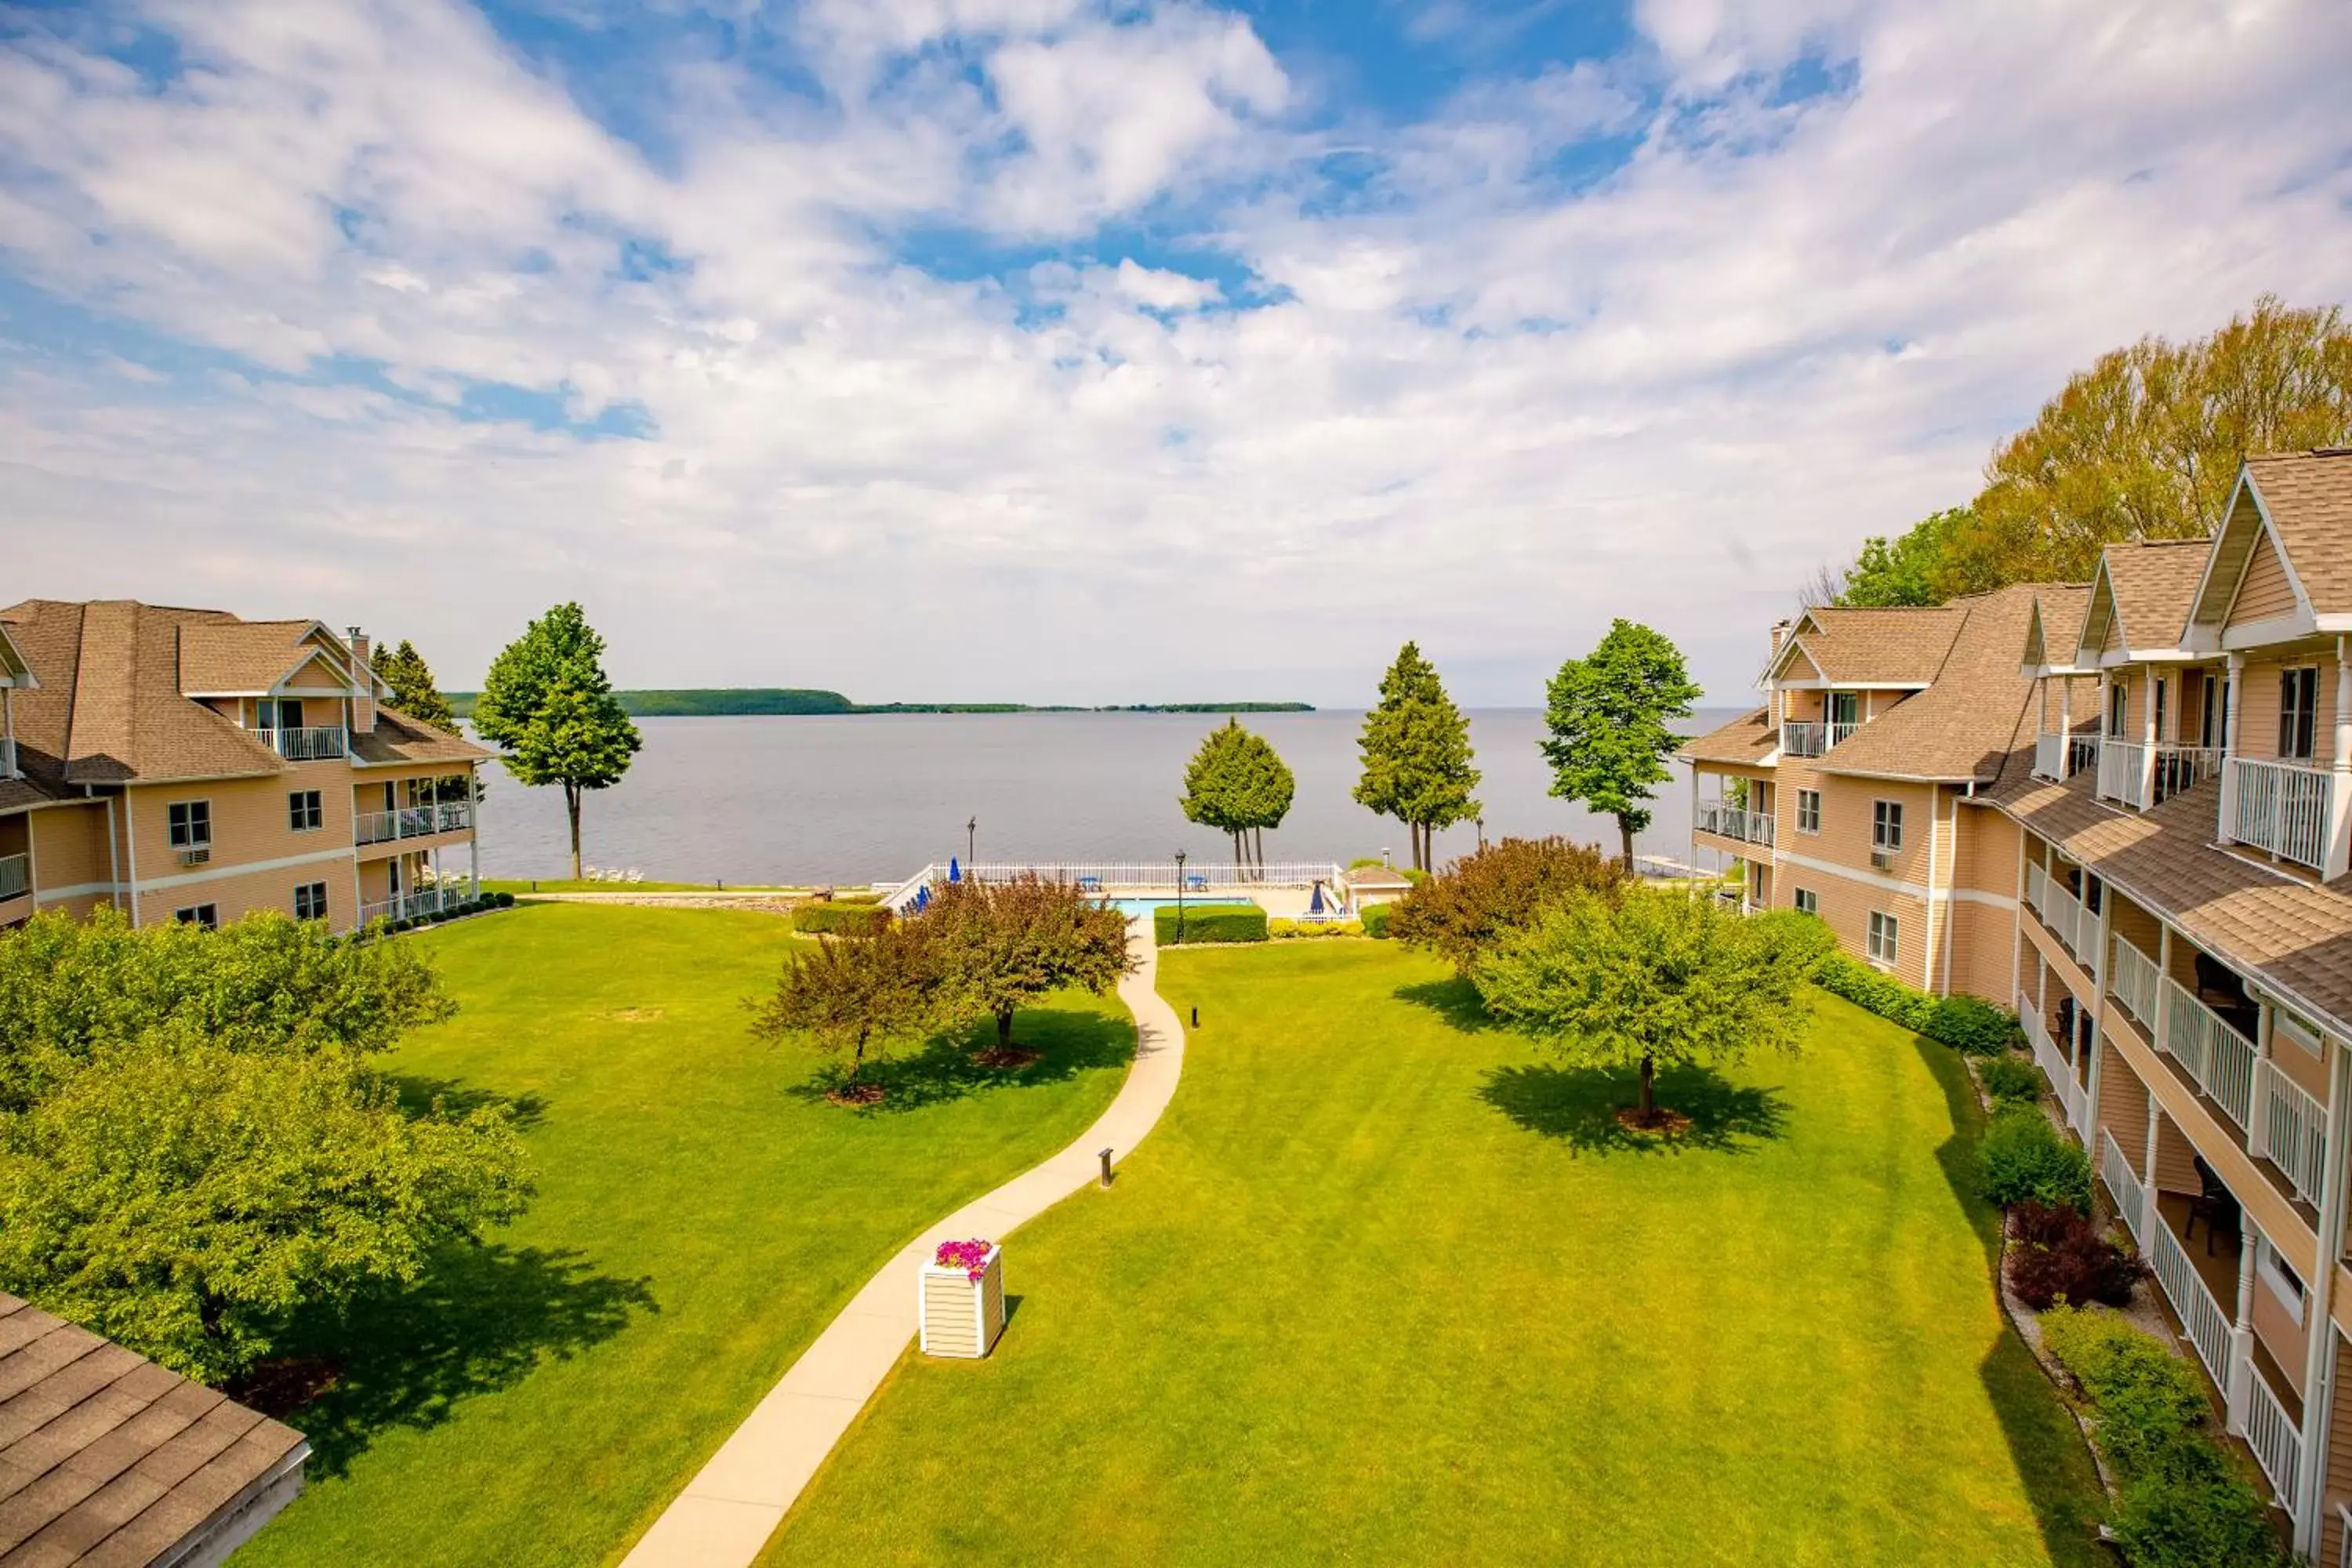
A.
pixel 1416 749
pixel 413 691
pixel 549 705
pixel 1608 717
pixel 1214 787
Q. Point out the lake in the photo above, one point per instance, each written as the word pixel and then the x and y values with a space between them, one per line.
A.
pixel 856 798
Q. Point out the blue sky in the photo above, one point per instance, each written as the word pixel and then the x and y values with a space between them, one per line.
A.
pixel 1085 352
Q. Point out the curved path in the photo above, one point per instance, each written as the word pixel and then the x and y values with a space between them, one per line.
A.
pixel 731 1507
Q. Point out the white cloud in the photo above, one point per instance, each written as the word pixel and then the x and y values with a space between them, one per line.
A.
pixel 1486 394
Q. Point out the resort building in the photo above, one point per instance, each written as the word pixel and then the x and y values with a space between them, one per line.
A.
pixel 2123 808
pixel 186 764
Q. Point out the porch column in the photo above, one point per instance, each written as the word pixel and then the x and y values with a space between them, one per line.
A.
pixel 2242 1330
pixel 2147 736
pixel 2149 1214
pixel 2066 726
pixel 2319 1367
pixel 473 838
pixel 2229 745
pixel 2160 1026
pixel 2258 1140
pixel 2338 851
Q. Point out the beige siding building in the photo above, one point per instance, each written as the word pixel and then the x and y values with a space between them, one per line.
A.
pixel 2124 808
pixel 186 764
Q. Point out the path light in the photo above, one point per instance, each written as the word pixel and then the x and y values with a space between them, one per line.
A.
pixel 1179 898
pixel 1106 1162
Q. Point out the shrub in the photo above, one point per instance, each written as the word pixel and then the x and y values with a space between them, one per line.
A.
pixel 1967 1024
pixel 840 920
pixel 1507 887
pixel 2025 1159
pixel 1292 931
pixel 2056 1254
pixel 1973 1025
pixel 2218 1521
pixel 2010 1078
pixel 1209 923
pixel 1376 920
pixel 505 900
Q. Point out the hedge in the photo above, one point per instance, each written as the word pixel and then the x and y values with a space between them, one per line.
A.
pixel 1210 922
pixel 840 920
pixel 1293 930
pixel 2023 1158
pixel 1967 1024
pixel 1376 921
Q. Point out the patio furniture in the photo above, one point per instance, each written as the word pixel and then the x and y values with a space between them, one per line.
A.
pixel 2215 1206
pixel 1090 884
pixel 1198 884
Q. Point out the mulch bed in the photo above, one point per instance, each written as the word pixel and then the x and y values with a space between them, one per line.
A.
pixel 278 1388
pixel 1661 1122
pixel 1006 1057
pixel 856 1094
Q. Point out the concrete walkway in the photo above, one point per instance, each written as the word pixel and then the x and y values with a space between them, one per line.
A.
pixel 728 1512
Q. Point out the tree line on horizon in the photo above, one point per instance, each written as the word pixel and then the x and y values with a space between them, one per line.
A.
pixel 2145 443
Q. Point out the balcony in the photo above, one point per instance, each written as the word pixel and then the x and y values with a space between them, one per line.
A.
pixel 2283 807
pixel 2075 926
pixel 2072 1094
pixel 1727 821
pixel 1811 738
pixel 309 743
pixel 2140 776
pixel 2218 1060
pixel 411 822
pixel 407 906
pixel 15 876
pixel 2059 757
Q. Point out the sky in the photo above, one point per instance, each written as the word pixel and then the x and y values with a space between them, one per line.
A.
pixel 1095 350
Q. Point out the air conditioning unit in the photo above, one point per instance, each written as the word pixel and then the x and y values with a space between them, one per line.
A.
pixel 1881 859
pixel 197 856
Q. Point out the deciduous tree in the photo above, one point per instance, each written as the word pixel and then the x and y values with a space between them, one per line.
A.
pixel 1213 785
pixel 413 690
pixel 548 706
pixel 1607 715
pixel 1912 568
pixel 1415 746
pixel 1466 910
pixel 864 995
pixel 1654 976
pixel 999 946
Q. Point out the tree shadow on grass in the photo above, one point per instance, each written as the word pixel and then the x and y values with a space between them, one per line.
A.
pixel 419 1094
pixel 2046 1448
pixel 1068 1041
pixel 1455 1000
pixel 478 1322
pixel 1580 1105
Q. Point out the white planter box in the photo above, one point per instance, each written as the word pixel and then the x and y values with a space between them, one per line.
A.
pixel 962 1316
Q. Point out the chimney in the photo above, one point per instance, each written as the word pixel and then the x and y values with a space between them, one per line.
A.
pixel 362 686
pixel 1780 635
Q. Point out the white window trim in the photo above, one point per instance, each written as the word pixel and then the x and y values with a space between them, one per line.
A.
pixel 1881 919
pixel 2267 1269
pixel 1815 795
pixel 1881 820
pixel 192 914
pixel 1805 900
pixel 305 795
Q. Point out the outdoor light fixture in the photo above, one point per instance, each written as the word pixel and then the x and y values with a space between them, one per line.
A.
pixel 1106 1162
pixel 1179 898
pixel 1482 832
pixel 971 839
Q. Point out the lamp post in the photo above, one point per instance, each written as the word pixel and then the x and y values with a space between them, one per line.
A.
pixel 971 840
pixel 1482 832
pixel 1179 898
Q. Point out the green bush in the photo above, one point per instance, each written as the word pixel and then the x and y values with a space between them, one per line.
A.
pixel 2216 1522
pixel 1209 923
pixel 1294 931
pixel 1376 921
pixel 2024 1159
pixel 1967 1024
pixel 1973 1025
pixel 840 920
pixel 2010 1076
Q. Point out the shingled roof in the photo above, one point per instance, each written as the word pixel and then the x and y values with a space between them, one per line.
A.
pixel 2308 496
pixel 1745 741
pixel 1873 647
pixel 2055 630
pixel 2148 586
pixel 107 1460
pixel 1979 701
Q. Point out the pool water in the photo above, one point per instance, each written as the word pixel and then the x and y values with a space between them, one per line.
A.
pixel 1136 909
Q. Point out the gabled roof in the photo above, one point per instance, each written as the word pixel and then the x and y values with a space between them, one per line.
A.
pixel 397 738
pixel 2305 500
pixel 1746 741
pixel 2055 627
pixel 106 1458
pixel 1964 726
pixel 1869 647
pixel 13 671
pixel 252 658
pixel 2144 588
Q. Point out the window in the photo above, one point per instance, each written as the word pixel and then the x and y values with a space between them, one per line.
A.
pixel 1809 903
pixel 311 902
pixel 2285 1025
pixel 2283 1281
pixel 2161 687
pixel 1883 936
pixel 1886 824
pixel 205 915
pixel 190 824
pixel 281 713
pixel 1809 810
pixel 2118 709
pixel 2298 712
pixel 304 812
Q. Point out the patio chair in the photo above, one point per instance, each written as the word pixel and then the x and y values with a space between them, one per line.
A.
pixel 1196 882
pixel 1090 884
pixel 2215 1206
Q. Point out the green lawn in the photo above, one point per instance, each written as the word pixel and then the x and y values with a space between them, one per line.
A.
pixel 521 887
pixel 701 1213
pixel 1386 1287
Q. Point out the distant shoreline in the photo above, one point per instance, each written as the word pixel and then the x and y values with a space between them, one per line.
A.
pixel 780 702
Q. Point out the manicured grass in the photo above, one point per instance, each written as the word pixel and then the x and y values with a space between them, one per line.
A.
pixel 582 885
pixel 702 1213
pixel 1385 1286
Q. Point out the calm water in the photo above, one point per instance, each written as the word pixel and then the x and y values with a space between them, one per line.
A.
pixel 858 798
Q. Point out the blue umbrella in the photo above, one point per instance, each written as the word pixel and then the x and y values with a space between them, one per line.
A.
pixel 955 872
pixel 1314 904
pixel 922 899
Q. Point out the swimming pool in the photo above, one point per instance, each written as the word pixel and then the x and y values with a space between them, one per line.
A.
pixel 1136 909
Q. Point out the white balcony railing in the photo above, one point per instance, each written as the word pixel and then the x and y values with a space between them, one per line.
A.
pixel 2281 807
pixel 2037 886
pixel 2218 1059
pixel 2073 1097
pixel 1727 821
pixel 2082 753
pixel 2276 1441
pixel 2209 1327
pixel 2122 765
pixel 2131 1198
pixel 411 822
pixel 311 743
pixel 407 906
pixel 2133 982
pixel 1803 737
pixel 15 876
pixel 2141 777
pixel 2076 928
pixel 2050 756
pixel 2293 1134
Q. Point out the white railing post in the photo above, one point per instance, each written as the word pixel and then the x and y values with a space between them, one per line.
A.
pixel 2230 716
pixel 2241 1333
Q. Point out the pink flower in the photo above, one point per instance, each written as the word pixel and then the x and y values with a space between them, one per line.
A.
pixel 971 1256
